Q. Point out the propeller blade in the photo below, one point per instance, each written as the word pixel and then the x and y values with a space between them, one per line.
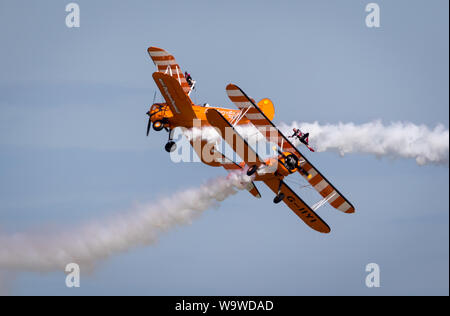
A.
pixel 149 124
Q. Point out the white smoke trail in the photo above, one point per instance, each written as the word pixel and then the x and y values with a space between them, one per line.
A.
pixel 6 283
pixel 396 140
pixel 139 226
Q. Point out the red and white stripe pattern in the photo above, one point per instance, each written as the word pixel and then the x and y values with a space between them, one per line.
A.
pixel 326 190
pixel 256 116
pixel 166 63
pixel 245 104
pixel 273 135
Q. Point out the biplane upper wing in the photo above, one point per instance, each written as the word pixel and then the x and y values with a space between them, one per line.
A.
pixel 166 63
pixel 272 134
pixel 180 104
pixel 229 134
pixel 298 206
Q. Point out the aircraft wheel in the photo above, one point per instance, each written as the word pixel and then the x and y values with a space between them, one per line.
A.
pixel 170 146
pixel 158 125
pixel 252 170
pixel 278 198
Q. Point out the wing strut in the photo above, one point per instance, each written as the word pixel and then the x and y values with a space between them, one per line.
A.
pixel 323 202
pixel 234 139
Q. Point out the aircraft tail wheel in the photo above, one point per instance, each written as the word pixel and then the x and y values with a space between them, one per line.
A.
pixel 252 170
pixel 278 198
pixel 170 146
pixel 158 125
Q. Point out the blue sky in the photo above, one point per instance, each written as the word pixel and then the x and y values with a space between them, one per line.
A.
pixel 73 145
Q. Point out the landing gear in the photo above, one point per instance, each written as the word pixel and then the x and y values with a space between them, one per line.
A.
pixel 170 146
pixel 252 170
pixel 278 198
pixel 158 126
pixel 280 195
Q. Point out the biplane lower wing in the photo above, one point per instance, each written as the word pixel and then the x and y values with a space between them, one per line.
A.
pixel 180 104
pixel 229 134
pixel 298 206
pixel 207 153
pixel 254 190
pixel 257 117
pixel 211 157
pixel 231 166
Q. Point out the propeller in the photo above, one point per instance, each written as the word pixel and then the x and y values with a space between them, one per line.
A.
pixel 149 124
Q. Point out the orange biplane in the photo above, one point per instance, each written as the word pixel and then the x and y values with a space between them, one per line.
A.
pixel 180 111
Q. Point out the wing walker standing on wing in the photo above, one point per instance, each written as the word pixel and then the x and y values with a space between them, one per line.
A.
pixel 302 137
